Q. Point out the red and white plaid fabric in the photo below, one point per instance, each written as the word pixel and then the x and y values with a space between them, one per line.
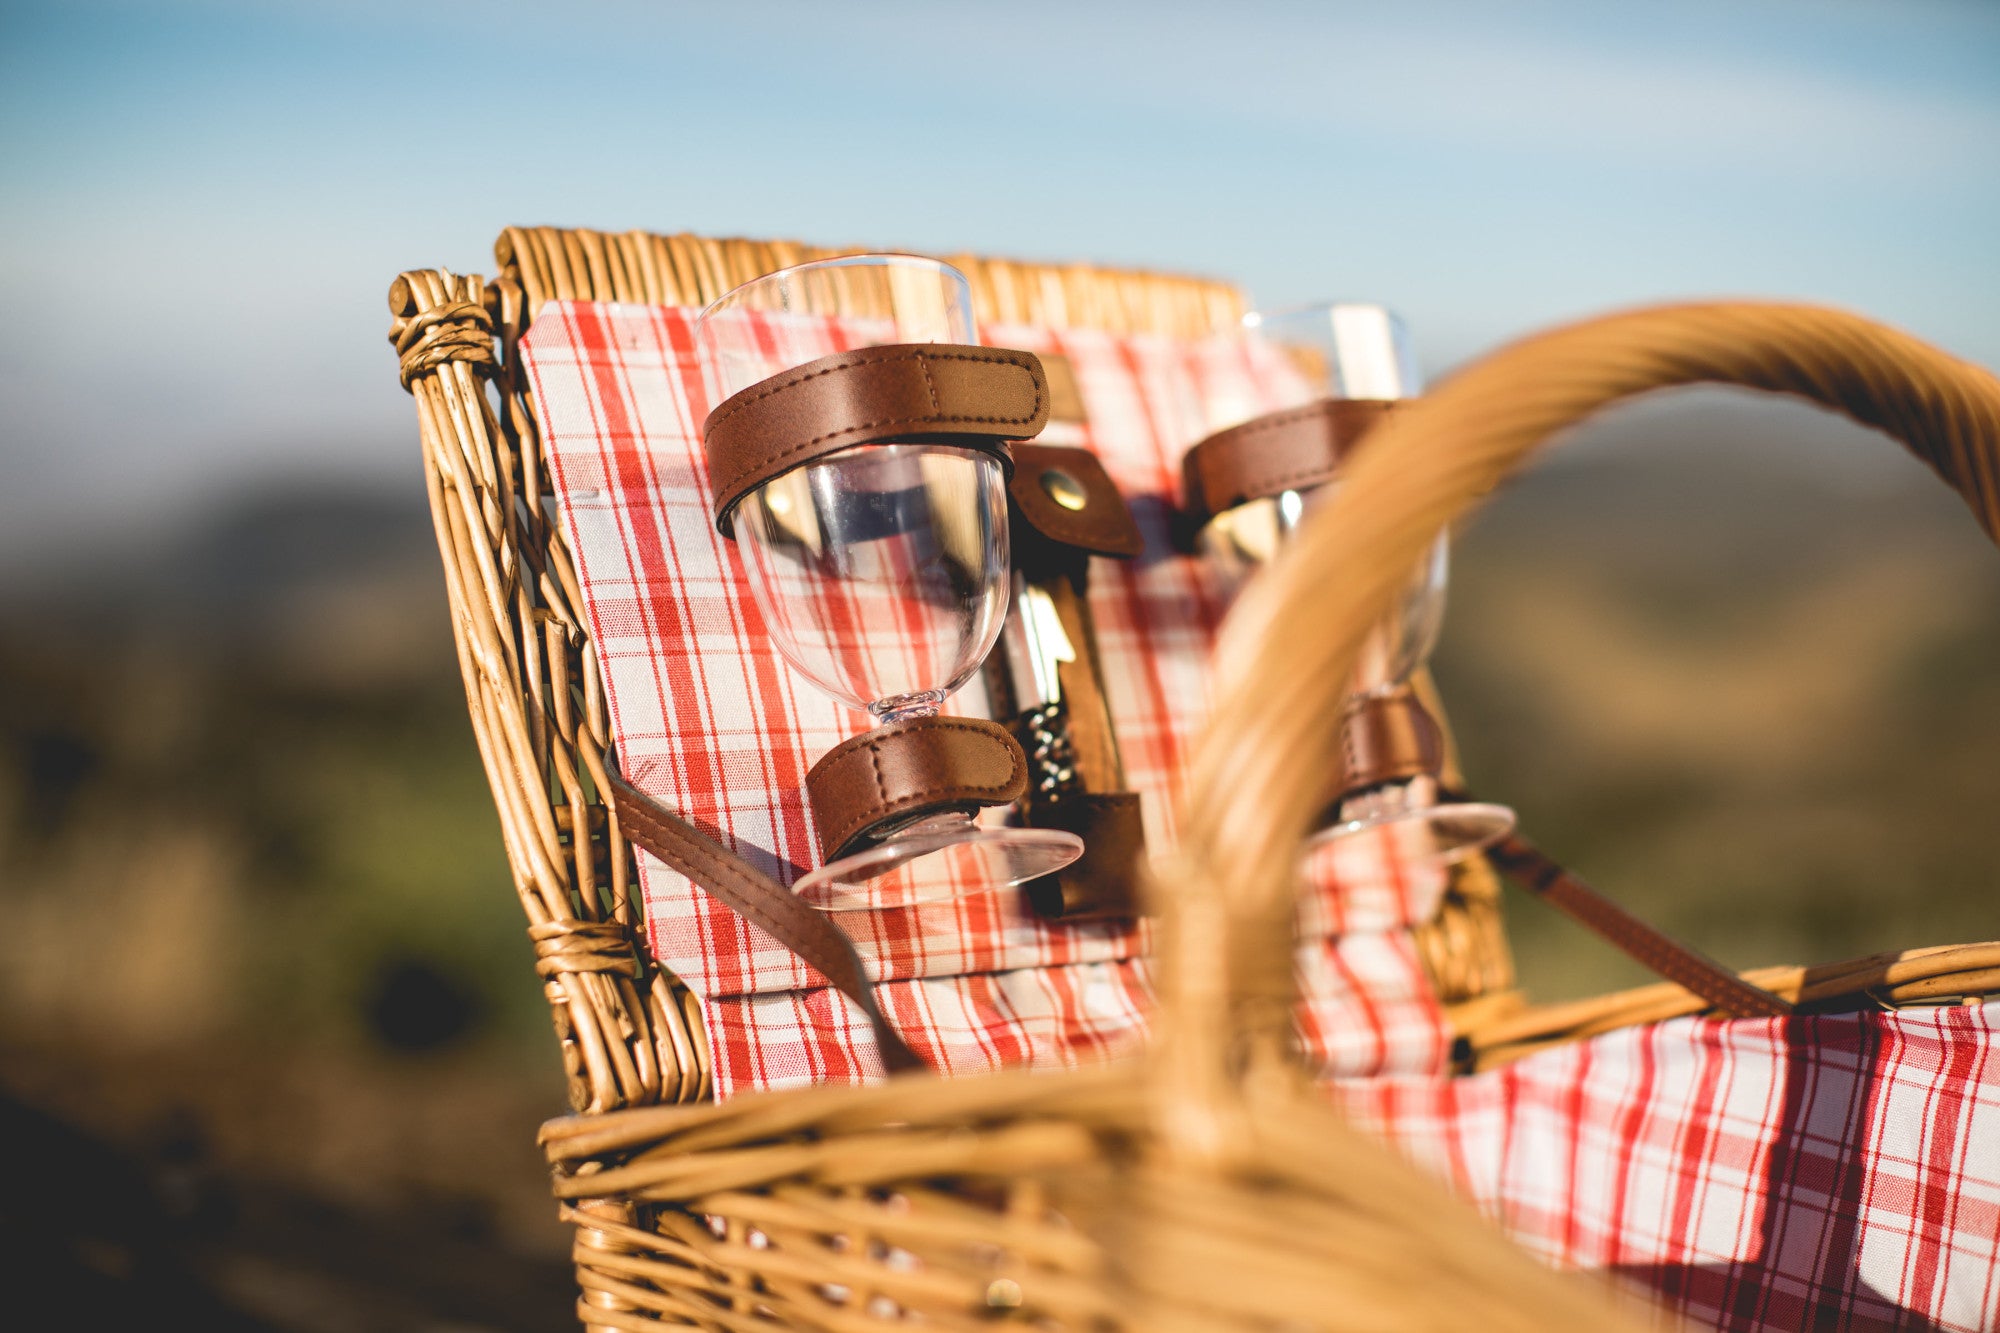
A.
pixel 1840 1171
pixel 1825 1172
pixel 709 719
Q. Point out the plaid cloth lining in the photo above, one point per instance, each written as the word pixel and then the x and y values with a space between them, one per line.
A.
pixel 1834 1171
pixel 1840 1171
pixel 711 720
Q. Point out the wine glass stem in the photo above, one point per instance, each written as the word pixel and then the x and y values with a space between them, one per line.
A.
pixel 904 707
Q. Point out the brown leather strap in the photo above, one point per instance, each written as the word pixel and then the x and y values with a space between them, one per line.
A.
pixel 970 396
pixel 1278 452
pixel 909 769
pixel 1394 738
pixel 1103 884
pixel 760 900
pixel 1066 496
pixel 1388 738
pixel 1532 869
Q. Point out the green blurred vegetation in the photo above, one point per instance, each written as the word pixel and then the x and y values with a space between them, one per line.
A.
pixel 262 968
pixel 254 752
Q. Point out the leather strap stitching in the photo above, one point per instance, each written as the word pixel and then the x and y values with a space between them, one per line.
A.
pixel 1271 421
pixel 883 807
pixel 1000 358
pixel 734 406
pixel 874 749
pixel 1339 416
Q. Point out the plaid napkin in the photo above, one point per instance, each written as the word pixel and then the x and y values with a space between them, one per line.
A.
pixel 708 718
pixel 1840 1171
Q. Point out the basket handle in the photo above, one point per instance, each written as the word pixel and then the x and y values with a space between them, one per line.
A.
pixel 1260 775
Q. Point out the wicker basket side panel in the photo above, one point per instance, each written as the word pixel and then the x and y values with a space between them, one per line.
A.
pixel 536 704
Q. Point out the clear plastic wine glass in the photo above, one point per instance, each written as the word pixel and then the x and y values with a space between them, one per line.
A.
pixel 881 570
pixel 1352 350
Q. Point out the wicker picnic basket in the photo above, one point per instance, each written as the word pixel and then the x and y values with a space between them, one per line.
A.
pixel 1205 1186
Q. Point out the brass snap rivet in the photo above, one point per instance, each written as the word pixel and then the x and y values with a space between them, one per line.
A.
pixel 1064 489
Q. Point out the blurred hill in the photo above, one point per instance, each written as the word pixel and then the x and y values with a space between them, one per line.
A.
pixel 263 967
pixel 1734 663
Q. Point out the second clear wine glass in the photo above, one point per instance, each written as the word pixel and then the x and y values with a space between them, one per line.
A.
pixel 1360 352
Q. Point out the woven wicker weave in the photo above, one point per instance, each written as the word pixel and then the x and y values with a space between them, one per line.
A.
pixel 1204 1187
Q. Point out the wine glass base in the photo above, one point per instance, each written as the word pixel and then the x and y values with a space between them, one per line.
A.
pixel 1455 831
pixel 925 865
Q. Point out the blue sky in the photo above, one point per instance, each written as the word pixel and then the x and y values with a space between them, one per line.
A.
pixel 201 204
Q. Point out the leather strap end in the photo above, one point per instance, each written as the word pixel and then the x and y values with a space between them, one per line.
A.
pixel 976 397
pixel 1103 884
pixel 1066 496
pixel 908 769
pixel 1278 452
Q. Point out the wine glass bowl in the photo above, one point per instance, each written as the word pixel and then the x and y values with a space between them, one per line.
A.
pixel 909 536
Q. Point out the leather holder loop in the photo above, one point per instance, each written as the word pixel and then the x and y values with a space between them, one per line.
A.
pixel 1275 453
pixel 1393 738
pixel 1103 884
pixel 1067 509
pixel 1388 738
pixel 1067 497
pixel 761 900
pixel 910 769
pixel 974 397
pixel 1532 868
